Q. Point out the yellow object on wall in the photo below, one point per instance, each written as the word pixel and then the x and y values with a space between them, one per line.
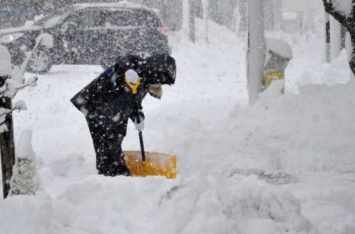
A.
pixel 271 76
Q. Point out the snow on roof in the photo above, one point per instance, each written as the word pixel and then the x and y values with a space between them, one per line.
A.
pixel 343 6
pixel 279 47
pixel 18 29
pixel 121 4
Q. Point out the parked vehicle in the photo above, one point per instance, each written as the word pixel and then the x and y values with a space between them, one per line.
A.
pixel 90 33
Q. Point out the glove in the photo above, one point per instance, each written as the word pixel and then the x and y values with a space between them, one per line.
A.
pixel 140 125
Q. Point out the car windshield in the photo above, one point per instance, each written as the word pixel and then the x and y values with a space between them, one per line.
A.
pixel 54 18
pixel 137 17
pixel 13 10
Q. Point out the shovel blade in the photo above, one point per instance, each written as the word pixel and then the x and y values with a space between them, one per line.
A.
pixel 156 164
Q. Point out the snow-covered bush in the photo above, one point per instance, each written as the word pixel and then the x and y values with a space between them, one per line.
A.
pixel 25 179
pixel 12 80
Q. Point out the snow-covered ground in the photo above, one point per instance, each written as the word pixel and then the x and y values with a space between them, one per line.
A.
pixel 284 165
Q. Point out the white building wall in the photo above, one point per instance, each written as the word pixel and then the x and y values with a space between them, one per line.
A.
pixel 302 5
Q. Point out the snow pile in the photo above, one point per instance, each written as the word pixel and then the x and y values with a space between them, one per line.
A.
pixel 278 47
pixel 17 75
pixel 26 214
pixel 25 179
pixel 321 110
pixel 243 202
pixel 303 71
pixel 214 205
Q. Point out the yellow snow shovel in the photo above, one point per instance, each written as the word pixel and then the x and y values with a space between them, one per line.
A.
pixel 155 164
pixel 150 163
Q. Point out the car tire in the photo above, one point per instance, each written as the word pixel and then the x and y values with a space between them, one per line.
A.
pixel 40 61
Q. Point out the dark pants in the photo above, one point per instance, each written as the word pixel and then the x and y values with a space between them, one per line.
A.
pixel 107 143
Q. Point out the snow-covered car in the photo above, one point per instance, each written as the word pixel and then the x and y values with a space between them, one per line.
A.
pixel 89 33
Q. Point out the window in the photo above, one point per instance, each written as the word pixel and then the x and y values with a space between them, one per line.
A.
pixel 148 18
pixel 91 18
pixel 122 18
pixel 133 18
pixel 55 18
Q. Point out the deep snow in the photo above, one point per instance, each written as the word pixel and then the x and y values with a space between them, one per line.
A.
pixel 283 165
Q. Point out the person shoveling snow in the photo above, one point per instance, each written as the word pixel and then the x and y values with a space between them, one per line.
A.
pixel 116 95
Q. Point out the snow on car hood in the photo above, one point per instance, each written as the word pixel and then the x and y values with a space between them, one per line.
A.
pixel 19 29
pixel 123 4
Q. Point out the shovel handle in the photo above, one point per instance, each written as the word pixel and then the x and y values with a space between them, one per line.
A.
pixel 142 145
pixel 141 140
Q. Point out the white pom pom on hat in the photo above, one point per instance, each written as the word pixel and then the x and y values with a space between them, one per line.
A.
pixel 132 76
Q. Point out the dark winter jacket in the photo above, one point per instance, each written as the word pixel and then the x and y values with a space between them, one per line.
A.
pixel 109 102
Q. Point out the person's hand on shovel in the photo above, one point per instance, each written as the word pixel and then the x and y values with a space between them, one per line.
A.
pixel 139 121
pixel 139 125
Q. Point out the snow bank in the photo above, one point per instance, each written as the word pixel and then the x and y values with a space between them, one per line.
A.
pixel 26 214
pixel 154 205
